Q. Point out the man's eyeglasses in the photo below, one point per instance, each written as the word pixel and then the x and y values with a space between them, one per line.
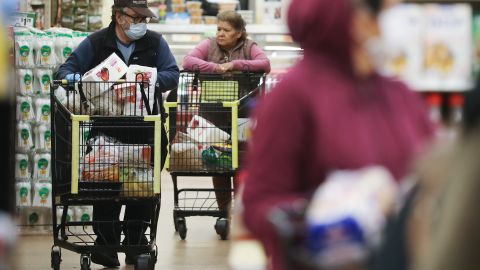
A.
pixel 138 19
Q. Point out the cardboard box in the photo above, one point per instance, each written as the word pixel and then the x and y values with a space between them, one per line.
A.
pixel 106 73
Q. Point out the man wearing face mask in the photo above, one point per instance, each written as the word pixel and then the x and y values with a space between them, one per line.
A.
pixel 128 37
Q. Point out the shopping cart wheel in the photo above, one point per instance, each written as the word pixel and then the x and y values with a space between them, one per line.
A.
pixel 222 228
pixel 144 262
pixel 85 262
pixel 56 258
pixel 182 227
pixel 175 221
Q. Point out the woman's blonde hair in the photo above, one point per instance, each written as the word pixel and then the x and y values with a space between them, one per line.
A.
pixel 235 20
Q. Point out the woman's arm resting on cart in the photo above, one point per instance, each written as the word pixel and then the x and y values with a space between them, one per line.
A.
pixel 197 59
pixel 167 69
pixel 274 164
pixel 259 62
pixel 78 62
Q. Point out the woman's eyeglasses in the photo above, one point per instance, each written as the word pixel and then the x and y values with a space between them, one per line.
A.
pixel 138 19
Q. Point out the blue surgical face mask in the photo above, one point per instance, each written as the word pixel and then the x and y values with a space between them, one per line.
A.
pixel 136 31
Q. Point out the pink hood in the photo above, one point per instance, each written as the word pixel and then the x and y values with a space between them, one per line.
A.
pixel 322 27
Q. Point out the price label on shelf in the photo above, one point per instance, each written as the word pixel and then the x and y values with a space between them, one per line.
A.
pixel 23 19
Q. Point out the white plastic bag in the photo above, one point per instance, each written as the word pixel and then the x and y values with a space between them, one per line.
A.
pixel 202 131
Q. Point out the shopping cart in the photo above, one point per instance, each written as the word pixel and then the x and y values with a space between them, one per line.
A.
pixel 205 129
pixel 105 150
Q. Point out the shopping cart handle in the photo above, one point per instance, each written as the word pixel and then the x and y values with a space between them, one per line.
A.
pixel 60 82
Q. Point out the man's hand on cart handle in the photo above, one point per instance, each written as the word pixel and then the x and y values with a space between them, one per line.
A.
pixel 72 78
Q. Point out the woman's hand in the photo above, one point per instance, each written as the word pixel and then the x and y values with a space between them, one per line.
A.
pixel 223 68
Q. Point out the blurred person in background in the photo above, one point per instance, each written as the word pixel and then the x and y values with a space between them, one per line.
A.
pixel 332 111
pixel 229 51
pixel 8 231
pixel 443 225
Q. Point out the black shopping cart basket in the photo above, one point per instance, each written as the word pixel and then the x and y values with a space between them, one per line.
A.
pixel 203 128
pixel 106 147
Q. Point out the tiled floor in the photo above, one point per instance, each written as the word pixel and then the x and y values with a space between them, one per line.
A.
pixel 201 250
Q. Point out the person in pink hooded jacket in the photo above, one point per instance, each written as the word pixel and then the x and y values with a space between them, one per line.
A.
pixel 332 111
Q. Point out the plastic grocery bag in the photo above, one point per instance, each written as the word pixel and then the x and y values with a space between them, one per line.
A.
pixel 136 182
pixel 185 154
pixel 204 132
pixel 101 163
pixel 72 101
pixel 347 214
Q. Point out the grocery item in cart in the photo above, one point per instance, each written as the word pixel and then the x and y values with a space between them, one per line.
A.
pixel 42 194
pixel 25 109
pixel 347 214
pixel 72 101
pixel 43 78
pixel 42 110
pixel 25 82
pixel 136 181
pixel 185 154
pixel 24 137
pixel 110 70
pixel 23 193
pixel 135 105
pixel 219 157
pixel 125 91
pixel 106 103
pixel 203 131
pixel 101 163
pixel 22 166
pixel 138 156
pixel 43 137
pixel 42 165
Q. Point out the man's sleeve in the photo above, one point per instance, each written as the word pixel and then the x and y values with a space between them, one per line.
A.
pixel 78 62
pixel 168 72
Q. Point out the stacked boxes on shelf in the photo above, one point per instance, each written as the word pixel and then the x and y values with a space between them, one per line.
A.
pixel 37 54
pixel 82 15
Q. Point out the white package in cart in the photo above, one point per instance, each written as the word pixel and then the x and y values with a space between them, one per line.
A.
pixel 202 131
pixel 43 138
pixel 25 109
pixel 24 137
pixel 72 101
pixel 25 82
pixel 136 106
pixel 106 104
pixel 43 78
pixel 134 155
pixel 42 110
pixel 148 75
pixel 101 163
pixel 23 193
pixel 111 69
pixel 22 166
pixel 42 194
pixel 41 166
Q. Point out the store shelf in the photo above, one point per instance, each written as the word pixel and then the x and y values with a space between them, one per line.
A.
pixel 252 29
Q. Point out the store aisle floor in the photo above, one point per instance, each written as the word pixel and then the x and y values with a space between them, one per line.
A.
pixel 202 248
